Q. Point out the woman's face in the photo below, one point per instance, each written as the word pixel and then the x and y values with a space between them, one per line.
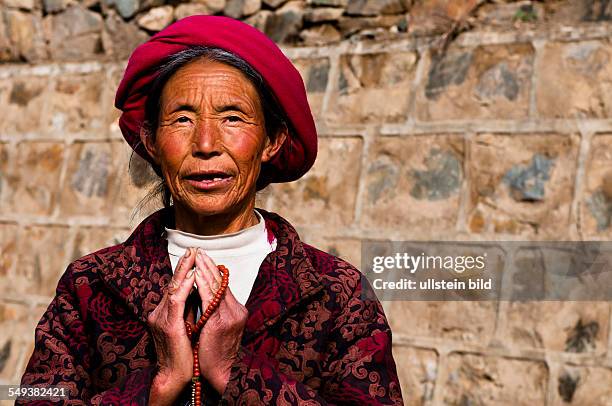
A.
pixel 211 138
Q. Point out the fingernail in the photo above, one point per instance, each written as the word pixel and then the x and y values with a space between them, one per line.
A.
pixel 187 253
pixel 201 252
pixel 190 273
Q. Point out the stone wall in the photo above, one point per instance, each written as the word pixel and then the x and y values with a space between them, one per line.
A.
pixel 467 120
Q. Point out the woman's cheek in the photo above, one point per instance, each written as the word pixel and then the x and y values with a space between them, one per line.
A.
pixel 173 147
pixel 246 145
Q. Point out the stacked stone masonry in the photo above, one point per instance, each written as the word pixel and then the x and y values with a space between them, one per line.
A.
pixel 431 115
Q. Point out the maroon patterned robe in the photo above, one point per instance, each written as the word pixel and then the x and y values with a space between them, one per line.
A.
pixel 310 338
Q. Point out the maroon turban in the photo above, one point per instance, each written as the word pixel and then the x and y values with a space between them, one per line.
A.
pixel 299 151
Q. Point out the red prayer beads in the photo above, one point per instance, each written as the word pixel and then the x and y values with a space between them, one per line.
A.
pixel 194 331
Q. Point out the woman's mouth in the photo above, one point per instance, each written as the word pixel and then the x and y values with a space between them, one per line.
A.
pixel 209 179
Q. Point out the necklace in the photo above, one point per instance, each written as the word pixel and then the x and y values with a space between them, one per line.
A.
pixel 193 331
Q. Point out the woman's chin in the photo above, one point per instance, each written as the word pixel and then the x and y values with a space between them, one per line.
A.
pixel 209 206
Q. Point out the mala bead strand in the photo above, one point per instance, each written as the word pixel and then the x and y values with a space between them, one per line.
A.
pixel 194 330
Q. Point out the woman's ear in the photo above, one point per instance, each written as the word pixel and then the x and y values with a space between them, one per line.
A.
pixel 146 137
pixel 273 145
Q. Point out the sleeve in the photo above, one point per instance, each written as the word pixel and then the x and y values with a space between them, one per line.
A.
pixel 61 357
pixel 359 364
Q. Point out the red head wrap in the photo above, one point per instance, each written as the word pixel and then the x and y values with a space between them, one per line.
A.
pixel 299 151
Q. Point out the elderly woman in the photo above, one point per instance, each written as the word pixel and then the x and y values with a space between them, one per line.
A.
pixel 211 299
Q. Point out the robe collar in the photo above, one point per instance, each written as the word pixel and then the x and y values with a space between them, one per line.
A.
pixel 140 271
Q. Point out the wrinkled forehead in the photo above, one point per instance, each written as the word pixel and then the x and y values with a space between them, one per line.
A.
pixel 212 83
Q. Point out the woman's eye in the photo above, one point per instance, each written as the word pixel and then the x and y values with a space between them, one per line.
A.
pixel 233 119
pixel 183 119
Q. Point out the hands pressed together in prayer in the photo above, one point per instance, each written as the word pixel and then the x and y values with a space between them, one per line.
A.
pixel 219 339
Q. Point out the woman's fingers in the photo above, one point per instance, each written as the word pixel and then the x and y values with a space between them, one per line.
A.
pixel 186 263
pixel 182 268
pixel 181 285
pixel 209 269
pixel 230 305
pixel 230 300
pixel 204 288
pixel 176 301
pixel 207 273
pixel 214 270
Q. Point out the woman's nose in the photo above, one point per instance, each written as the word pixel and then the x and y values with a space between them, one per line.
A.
pixel 206 139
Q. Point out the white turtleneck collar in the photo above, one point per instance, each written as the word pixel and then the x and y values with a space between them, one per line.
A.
pixel 241 252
